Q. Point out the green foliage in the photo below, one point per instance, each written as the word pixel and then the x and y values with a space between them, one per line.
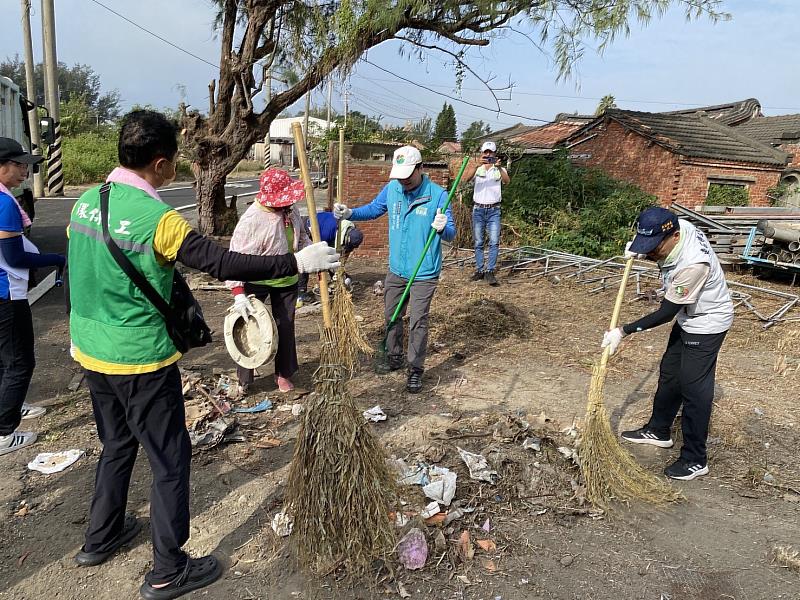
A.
pixel 777 195
pixel 89 157
pixel 551 202
pixel 469 139
pixel 727 195
pixel 77 81
pixel 446 129
pixel 606 102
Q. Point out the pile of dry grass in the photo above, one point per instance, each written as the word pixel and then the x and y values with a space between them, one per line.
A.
pixel 787 556
pixel 478 318
pixel 340 490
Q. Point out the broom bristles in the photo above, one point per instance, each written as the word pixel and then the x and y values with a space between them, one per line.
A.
pixel 351 338
pixel 340 488
pixel 611 472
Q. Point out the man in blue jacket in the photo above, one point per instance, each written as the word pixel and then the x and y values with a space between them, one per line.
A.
pixel 414 204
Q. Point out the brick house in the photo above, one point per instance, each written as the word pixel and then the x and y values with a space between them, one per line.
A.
pixel 678 156
pixel 781 132
pixel 539 139
pixel 366 171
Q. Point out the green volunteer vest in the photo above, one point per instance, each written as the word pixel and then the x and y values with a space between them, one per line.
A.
pixel 289 279
pixel 111 321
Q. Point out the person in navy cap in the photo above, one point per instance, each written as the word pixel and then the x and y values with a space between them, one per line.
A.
pixel 697 294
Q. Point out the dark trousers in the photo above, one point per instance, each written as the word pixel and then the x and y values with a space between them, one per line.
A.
pixel 16 361
pixel 142 409
pixel 418 305
pixel 687 378
pixel 283 301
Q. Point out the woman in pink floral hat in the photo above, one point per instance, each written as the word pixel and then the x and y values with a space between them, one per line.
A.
pixel 272 226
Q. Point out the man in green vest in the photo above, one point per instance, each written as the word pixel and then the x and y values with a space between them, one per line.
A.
pixel 121 341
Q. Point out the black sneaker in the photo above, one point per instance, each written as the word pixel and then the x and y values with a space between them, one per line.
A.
pixel 645 435
pixel 396 362
pixel 477 276
pixel 307 298
pixel 414 383
pixel 490 278
pixel 685 471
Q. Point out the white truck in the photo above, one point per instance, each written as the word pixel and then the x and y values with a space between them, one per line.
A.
pixel 14 124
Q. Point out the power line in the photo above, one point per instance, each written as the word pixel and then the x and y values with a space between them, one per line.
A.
pixel 454 98
pixel 155 35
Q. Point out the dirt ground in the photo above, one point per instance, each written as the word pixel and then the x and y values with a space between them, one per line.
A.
pixel 504 363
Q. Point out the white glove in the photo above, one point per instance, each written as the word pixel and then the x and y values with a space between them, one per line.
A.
pixel 612 339
pixel 241 304
pixel 439 221
pixel 340 211
pixel 317 257
pixel 629 254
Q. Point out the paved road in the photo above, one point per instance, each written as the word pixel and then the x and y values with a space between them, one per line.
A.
pixel 52 214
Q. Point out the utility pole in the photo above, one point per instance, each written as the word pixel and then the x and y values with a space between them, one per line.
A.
pixel 305 119
pixel 346 93
pixel 267 141
pixel 330 94
pixel 30 84
pixel 55 174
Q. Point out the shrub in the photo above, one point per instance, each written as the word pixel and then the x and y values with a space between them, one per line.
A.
pixel 727 195
pixel 552 203
pixel 89 157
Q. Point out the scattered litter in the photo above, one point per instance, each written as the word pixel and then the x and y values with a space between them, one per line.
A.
pixel 463 579
pixel 260 407
pixel 404 593
pixel 410 474
pixel 297 410
pixel 571 431
pixel 377 289
pixel 478 467
pixel 400 520
pixel 569 453
pixel 759 412
pixel 412 550
pixel 440 543
pixel 487 525
pixel 787 556
pixel 435 520
pixel 442 486
pixel 486 545
pixel 465 550
pixel 532 443
pixel 430 510
pixel 212 433
pixel 268 442
pixel 282 523
pixel 490 566
pixel 54 462
pixel 769 478
pixel 375 414
pixel 456 514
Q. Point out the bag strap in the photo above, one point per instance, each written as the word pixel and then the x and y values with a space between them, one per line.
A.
pixel 127 266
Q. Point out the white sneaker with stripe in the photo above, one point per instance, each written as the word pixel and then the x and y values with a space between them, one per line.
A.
pixel 645 435
pixel 30 411
pixel 16 441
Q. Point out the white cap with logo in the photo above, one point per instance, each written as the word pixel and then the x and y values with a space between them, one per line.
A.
pixel 404 161
pixel 491 146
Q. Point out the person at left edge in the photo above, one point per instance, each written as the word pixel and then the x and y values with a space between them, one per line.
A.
pixel 17 256
pixel 121 341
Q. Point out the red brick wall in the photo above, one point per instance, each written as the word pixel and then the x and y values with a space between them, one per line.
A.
pixel 794 150
pixel 363 180
pixel 695 175
pixel 630 157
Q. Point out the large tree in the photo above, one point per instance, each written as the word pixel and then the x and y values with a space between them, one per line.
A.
pixel 76 84
pixel 318 38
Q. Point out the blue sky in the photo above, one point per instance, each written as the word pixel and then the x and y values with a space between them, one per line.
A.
pixel 667 65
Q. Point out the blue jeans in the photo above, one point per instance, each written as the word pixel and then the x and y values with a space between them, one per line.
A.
pixel 483 220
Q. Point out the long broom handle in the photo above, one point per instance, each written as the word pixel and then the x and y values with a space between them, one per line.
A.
pixel 617 309
pixel 300 147
pixel 340 188
pixel 428 243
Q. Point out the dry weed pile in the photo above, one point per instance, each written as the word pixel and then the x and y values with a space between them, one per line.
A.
pixel 464 321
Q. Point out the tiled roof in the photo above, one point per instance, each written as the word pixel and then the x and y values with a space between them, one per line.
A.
pixel 449 148
pixel 547 136
pixel 507 133
pixel 773 130
pixel 732 113
pixel 692 135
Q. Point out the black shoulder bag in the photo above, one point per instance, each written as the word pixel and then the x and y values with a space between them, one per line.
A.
pixel 183 316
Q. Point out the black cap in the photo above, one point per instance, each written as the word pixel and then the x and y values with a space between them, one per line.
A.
pixel 12 150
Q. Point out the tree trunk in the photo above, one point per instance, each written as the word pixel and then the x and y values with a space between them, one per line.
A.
pixel 215 215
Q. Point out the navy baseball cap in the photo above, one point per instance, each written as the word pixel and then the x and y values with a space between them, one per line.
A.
pixel 652 226
pixel 353 238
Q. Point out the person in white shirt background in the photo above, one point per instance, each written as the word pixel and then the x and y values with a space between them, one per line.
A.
pixel 489 176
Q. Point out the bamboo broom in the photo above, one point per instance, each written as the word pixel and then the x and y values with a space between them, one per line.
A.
pixel 340 489
pixel 351 337
pixel 611 472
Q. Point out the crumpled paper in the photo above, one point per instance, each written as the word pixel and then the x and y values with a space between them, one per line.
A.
pixel 478 466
